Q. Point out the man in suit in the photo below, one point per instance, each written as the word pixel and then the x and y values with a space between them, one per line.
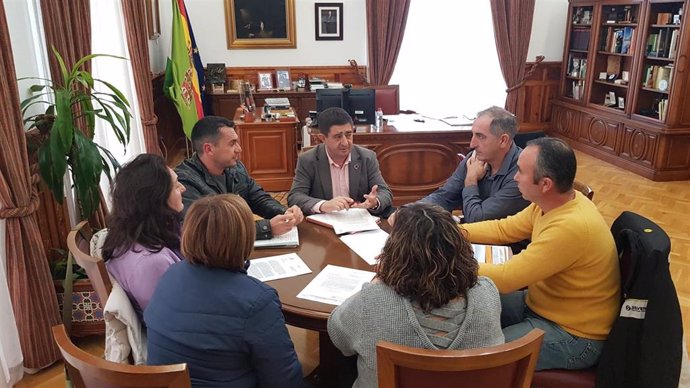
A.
pixel 215 168
pixel 336 174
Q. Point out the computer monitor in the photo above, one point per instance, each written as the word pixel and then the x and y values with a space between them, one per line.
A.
pixel 362 106
pixel 328 98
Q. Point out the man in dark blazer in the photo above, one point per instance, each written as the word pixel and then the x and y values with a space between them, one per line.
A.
pixel 336 174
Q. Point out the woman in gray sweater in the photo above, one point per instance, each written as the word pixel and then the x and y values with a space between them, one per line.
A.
pixel 426 294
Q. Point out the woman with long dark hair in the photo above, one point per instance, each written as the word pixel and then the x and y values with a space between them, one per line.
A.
pixel 143 227
pixel 426 294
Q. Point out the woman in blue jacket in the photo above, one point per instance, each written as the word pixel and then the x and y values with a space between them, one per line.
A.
pixel 228 327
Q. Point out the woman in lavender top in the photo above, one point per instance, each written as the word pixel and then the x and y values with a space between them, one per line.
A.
pixel 143 227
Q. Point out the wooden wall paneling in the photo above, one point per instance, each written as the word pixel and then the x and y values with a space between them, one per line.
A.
pixel 344 74
pixel 599 132
pixel 535 95
pixel 639 145
pixel 170 134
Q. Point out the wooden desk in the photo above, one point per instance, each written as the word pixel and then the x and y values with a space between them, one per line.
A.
pixel 269 151
pixel 319 247
pixel 414 159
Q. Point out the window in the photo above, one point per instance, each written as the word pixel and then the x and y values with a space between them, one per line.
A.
pixel 108 36
pixel 448 65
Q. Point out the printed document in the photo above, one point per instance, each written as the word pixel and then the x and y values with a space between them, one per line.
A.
pixel 346 221
pixel 334 284
pixel 287 240
pixel 277 267
pixel 494 254
pixel 368 245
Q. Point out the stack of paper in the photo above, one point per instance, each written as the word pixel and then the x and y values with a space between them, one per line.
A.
pixel 346 221
pixel 368 245
pixel 334 284
pixel 277 267
pixel 496 254
pixel 287 240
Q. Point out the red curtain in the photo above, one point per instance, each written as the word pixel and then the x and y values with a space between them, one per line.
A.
pixel 30 284
pixel 137 40
pixel 512 30
pixel 386 20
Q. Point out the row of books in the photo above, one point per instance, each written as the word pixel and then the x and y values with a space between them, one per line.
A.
pixel 657 77
pixel 663 44
pixel 617 40
pixel 579 39
pixel 662 107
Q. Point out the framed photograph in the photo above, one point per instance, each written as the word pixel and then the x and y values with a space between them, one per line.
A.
pixel 265 81
pixel 252 24
pixel 328 21
pixel 283 79
pixel 153 19
pixel 621 102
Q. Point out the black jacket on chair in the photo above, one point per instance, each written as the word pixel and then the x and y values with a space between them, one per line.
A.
pixel 645 343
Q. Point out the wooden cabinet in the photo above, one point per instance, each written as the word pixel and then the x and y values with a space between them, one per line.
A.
pixel 624 84
pixel 269 151
pixel 226 104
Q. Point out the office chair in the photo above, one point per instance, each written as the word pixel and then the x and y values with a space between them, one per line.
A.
pixel 643 249
pixel 584 189
pixel 388 98
pixel 86 370
pixel 510 365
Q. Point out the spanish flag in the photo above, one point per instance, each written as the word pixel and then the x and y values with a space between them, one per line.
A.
pixel 184 73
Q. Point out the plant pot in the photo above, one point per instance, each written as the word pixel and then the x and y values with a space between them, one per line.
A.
pixel 87 311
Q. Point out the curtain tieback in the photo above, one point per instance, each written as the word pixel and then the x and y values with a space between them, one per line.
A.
pixel 528 74
pixel 152 121
pixel 24 211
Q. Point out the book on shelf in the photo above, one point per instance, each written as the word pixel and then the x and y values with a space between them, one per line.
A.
pixel 664 18
pixel 662 107
pixel 627 39
pixel 652 44
pixel 673 45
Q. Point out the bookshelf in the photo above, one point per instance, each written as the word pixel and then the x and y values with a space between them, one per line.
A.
pixel 577 50
pixel 624 91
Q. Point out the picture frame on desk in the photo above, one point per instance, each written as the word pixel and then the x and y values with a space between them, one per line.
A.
pixel 283 79
pixel 265 81
pixel 252 24
pixel 328 21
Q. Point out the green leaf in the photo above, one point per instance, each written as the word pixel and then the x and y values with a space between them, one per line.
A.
pixel 63 126
pixel 111 161
pixel 115 90
pixel 52 165
pixel 89 57
pixel 86 77
pixel 28 100
pixel 86 173
pixel 63 68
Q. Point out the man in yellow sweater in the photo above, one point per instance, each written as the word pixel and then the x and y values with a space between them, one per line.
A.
pixel 570 268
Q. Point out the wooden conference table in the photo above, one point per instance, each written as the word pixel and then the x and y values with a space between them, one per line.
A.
pixel 319 247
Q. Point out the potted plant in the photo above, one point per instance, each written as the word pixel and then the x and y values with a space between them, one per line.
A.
pixel 60 139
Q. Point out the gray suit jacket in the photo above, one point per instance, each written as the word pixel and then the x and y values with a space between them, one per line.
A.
pixel 313 183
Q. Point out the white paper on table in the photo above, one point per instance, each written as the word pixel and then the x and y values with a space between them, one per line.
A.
pixel 368 245
pixel 334 284
pixel 479 252
pixel 347 221
pixel 286 240
pixel 500 254
pixel 277 267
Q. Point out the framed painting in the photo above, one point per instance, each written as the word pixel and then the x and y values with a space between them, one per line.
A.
pixel 328 21
pixel 252 24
